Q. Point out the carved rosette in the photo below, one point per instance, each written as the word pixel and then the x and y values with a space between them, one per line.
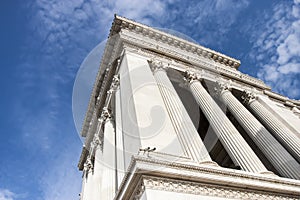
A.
pixel 248 97
pixel 156 65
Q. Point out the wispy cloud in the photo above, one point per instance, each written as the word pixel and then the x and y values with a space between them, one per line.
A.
pixel 62 34
pixel 276 48
pixel 206 21
pixel 6 194
pixel 62 180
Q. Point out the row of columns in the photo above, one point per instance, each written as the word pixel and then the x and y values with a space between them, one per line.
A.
pixel 281 147
pixel 283 134
pixel 280 158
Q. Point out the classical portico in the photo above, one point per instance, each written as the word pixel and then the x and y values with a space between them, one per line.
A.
pixel 170 119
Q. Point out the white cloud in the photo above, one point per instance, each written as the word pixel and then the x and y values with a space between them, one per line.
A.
pixel 216 18
pixel 63 32
pixel 277 45
pixel 6 194
pixel 62 180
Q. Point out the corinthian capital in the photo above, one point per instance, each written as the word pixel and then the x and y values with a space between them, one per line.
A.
pixel 115 82
pixel 190 76
pixel 105 115
pixel 248 97
pixel 96 141
pixel 221 87
pixel 156 65
pixel 88 165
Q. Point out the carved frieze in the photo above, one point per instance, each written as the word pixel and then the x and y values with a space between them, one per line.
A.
pixel 188 187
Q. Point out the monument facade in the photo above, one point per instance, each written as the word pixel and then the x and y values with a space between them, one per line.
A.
pixel 170 119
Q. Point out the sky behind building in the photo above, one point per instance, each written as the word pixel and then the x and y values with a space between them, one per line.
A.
pixel 43 43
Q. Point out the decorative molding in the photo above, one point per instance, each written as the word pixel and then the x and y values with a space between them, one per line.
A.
pixel 115 82
pixel 109 63
pixel 275 95
pixel 182 62
pixel 121 23
pixel 189 187
pixel 88 165
pixel 296 111
pixel 106 114
pixel 156 65
pixel 139 191
pixel 190 76
pixel 221 87
pixel 289 104
pixel 248 97
pixel 206 174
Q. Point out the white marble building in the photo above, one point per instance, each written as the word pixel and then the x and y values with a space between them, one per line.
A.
pixel 170 119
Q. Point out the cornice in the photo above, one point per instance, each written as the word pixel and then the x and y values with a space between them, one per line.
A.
pixel 121 23
pixel 205 174
pixel 83 156
pixel 285 100
pixel 104 75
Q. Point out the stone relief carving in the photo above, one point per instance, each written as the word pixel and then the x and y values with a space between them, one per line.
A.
pixel 122 23
pixel 248 97
pixel 178 186
pixel 221 87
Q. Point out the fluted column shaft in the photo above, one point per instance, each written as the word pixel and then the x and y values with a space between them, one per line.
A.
pixel 287 138
pixel 108 187
pixel 284 163
pixel 183 125
pixel 236 146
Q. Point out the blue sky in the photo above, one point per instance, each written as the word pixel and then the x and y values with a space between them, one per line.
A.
pixel 43 43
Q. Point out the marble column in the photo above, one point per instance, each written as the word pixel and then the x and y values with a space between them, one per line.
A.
pixel 233 142
pixel 108 184
pixel 287 138
pixel 183 125
pixel 283 162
